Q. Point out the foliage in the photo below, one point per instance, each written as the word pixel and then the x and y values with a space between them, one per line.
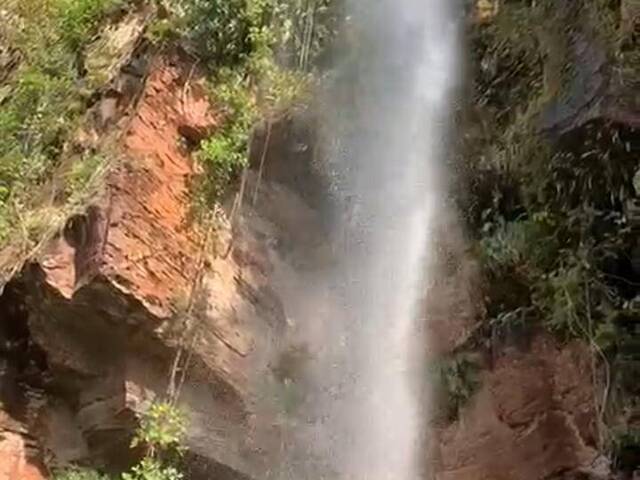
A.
pixel 226 152
pixel 560 219
pixel 151 469
pixel 456 381
pixel 228 33
pixel 42 98
pixel 626 448
pixel 79 474
pixel 261 53
pixel 161 432
pixel 82 172
pixel 555 216
pixel 560 296
pixel 509 61
pixel 505 245
pixel 78 19
pixel 162 428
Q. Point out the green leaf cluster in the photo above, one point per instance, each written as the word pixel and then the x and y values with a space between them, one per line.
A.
pixel 261 54
pixel 162 428
pixel 456 380
pixel 152 469
pixel 79 474
pixel 161 433
pixel 42 95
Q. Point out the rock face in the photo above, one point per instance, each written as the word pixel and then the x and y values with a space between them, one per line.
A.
pixel 15 459
pixel 132 282
pixel 599 88
pixel 533 418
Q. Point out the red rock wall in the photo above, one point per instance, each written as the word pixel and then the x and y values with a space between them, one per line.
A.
pixel 105 295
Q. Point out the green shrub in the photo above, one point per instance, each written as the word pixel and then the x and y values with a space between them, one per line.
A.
pixel 79 18
pixel 161 432
pixel 456 380
pixel 79 474
pixel 151 469
pixel 530 244
pixel 626 448
pixel 227 33
pixel 43 99
pixel 162 428
pixel 260 62
pixel 82 173
pixel 225 153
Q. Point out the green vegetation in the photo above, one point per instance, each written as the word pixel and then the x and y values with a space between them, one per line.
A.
pixel 162 429
pixel 79 474
pixel 456 380
pixel 535 204
pixel 554 215
pixel 261 54
pixel 42 100
pixel 261 58
pixel 161 434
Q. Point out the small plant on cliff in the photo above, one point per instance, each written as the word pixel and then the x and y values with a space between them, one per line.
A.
pixel 456 381
pixel 161 433
pixel 226 152
pixel 151 469
pixel 162 429
pixel 79 474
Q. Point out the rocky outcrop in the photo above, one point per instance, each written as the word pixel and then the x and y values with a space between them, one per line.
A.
pixel 596 84
pixel 16 462
pixel 533 418
pixel 133 299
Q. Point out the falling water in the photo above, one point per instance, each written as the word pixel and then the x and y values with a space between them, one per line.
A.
pixel 389 118
pixel 394 153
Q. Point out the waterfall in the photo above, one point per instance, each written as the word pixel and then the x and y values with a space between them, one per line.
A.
pixel 388 115
pixel 396 148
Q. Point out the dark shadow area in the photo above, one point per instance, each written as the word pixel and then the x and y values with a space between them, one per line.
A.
pixel 23 365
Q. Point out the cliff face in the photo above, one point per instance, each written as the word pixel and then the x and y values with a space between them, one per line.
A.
pixel 530 410
pixel 538 386
pixel 131 300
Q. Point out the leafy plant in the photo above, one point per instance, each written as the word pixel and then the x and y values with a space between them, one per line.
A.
pixel 161 433
pixel 79 474
pixel 79 18
pixel 42 101
pixel 82 172
pixel 152 469
pixel 162 429
pixel 251 46
pixel 456 381
pixel 508 244
pixel 626 448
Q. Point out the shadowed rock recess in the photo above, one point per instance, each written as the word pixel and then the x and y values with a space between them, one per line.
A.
pixel 132 299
